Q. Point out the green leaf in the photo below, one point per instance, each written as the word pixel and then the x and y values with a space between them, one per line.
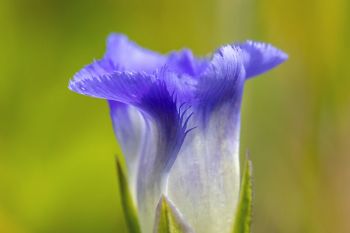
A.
pixel 128 205
pixel 169 220
pixel 243 219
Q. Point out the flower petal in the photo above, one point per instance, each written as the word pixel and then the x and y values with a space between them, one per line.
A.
pixel 260 57
pixel 183 62
pixel 129 128
pixel 204 181
pixel 122 55
pixel 165 127
pixel 166 130
pixel 131 57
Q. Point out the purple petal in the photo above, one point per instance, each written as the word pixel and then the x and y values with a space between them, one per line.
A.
pixel 166 131
pixel 118 86
pixel 222 83
pixel 149 94
pixel 165 127
pixel 204 181
pixel 96 69
pixel 131 57
pixel 183 62
pixel 122 55
pixel 260 57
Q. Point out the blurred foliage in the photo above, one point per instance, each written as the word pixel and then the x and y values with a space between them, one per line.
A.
pixel 57 171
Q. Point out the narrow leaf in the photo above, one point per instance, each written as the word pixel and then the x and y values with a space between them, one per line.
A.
pixel 243 217
pixel 128 205
pixel 169 220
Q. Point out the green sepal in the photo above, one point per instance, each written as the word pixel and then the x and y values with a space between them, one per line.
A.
pixel 243 217
pixel 128 206
pixel 168 219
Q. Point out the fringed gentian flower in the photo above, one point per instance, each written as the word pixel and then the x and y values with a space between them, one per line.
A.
pixel 177 118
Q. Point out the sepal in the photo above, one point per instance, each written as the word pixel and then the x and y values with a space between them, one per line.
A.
pixel 168 219
pixel 243 217
pixel 128 206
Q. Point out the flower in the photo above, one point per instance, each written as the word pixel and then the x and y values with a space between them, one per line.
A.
pixel 177 118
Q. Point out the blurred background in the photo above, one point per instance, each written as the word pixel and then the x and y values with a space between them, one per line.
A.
pixel 57 148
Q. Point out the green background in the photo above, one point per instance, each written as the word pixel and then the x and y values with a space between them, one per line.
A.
pixel 57 148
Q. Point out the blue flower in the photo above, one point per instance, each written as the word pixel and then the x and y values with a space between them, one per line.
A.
pixel 177 118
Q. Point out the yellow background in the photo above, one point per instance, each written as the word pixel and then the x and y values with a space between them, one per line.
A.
pixel 57 148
